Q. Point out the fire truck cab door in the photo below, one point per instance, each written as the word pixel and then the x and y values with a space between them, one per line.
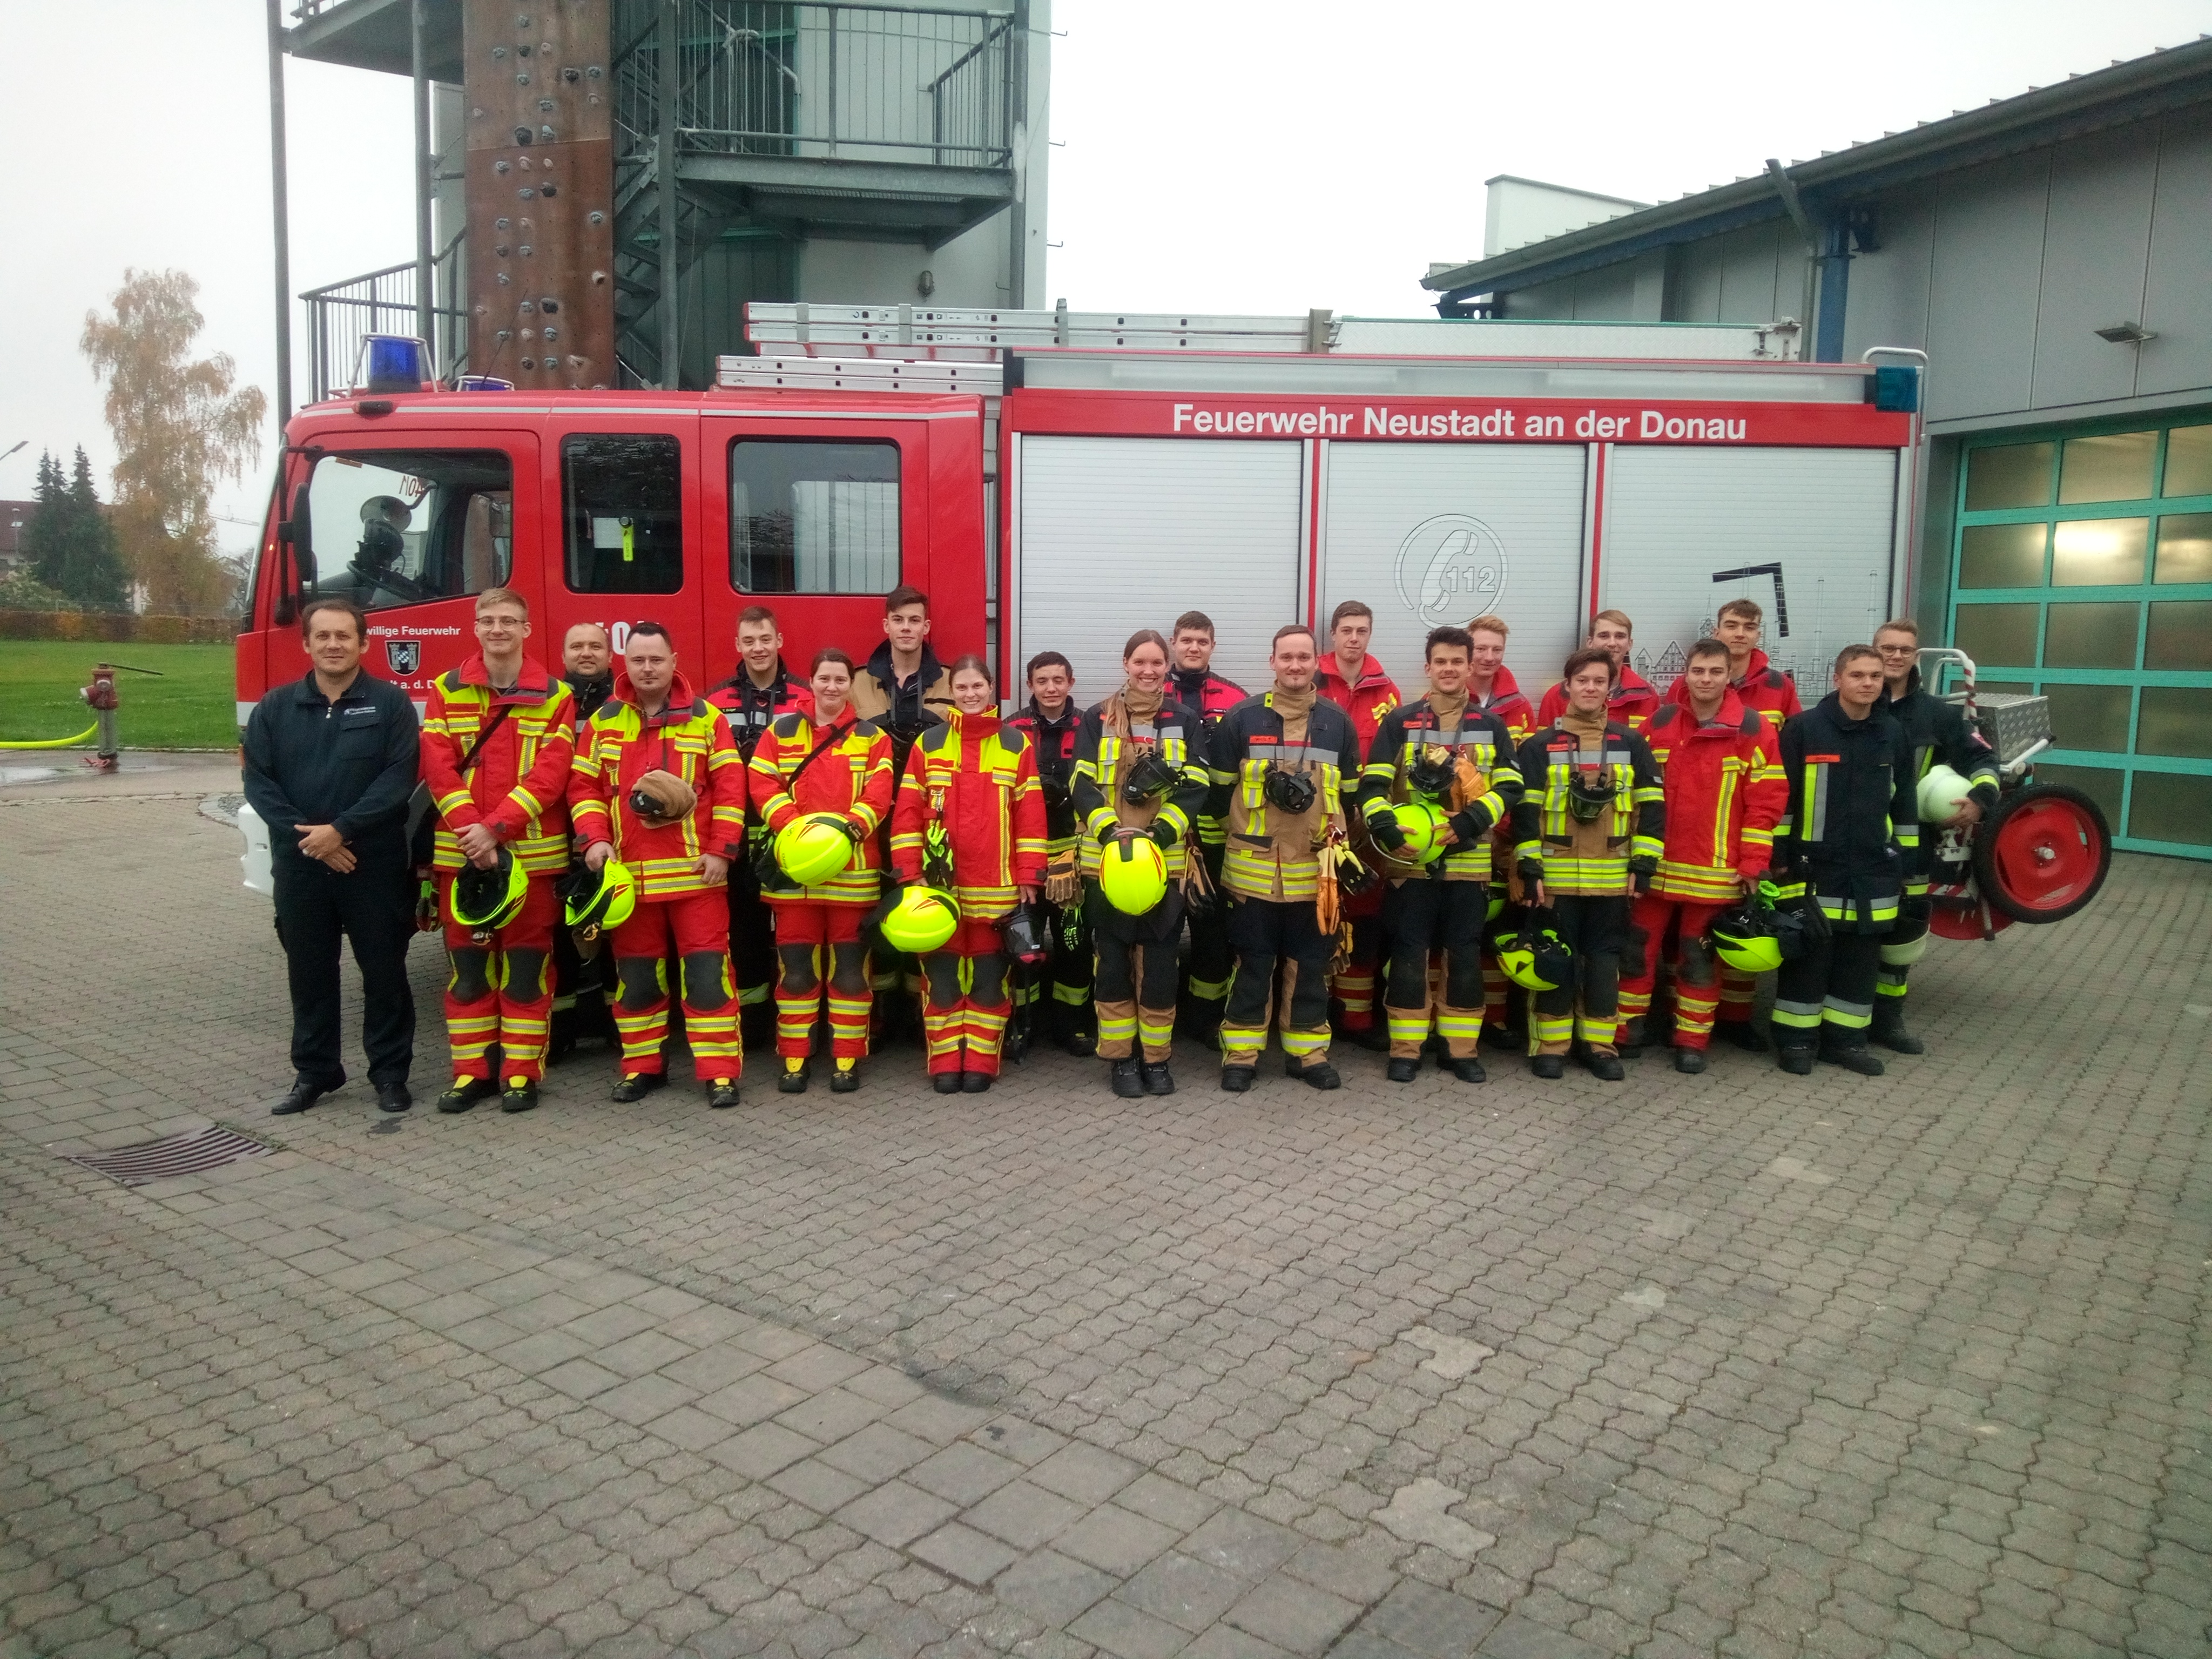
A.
pixel 410 523
pixel 816 513
pixel 623 535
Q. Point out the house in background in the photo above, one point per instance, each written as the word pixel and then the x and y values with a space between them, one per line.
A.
pixel 15 519
pixel 2051 253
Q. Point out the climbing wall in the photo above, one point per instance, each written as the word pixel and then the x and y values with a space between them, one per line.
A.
pixel 539 88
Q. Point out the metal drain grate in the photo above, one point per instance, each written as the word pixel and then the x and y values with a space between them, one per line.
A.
pixel 191 1153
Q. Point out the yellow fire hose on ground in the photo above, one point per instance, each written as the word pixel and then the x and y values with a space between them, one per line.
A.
pixel 84 735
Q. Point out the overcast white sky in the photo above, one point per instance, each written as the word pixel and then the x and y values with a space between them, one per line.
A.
pixel 1264 155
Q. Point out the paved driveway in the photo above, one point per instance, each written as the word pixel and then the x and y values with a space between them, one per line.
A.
pixel 1731 1365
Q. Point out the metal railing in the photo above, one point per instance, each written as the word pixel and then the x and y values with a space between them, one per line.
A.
pixel 924 85
pixel 382 302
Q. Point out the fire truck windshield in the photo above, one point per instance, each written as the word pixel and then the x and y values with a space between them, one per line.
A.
pixel 395 528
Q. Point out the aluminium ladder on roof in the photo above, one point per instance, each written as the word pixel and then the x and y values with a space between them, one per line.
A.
pixel 805 329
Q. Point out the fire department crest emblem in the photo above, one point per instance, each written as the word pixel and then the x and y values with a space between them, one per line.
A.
pixel 402 656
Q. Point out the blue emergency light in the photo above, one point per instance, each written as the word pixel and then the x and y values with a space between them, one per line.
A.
pixel 393 363
pixel 483 383
pixel 1897 389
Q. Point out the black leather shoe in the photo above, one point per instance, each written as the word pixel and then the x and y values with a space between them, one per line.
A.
pixel 1743 1033
pixel 1235 1079
pixel 1128 1078
pixel 465 1093
pixel 791 1082
pixel 946 1083
pixel 1607 1068
pixel 1319 1075
pixel 521 1095
pixel 722 1093
pixel 303 1095
pixel 393 1098
pixel 1550 1067
pixel 844 1079
pixel 1690 1061
pixel 1797 1061
pixel 636 1085
pixel 1400 1070
pixel 1469 1070
pixel 1159 1080
pixel 1852 1057
pixel 974 1082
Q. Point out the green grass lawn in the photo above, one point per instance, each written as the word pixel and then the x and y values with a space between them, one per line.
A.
pixel 191 706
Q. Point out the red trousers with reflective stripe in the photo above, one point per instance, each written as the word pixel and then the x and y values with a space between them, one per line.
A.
pixel 1694 1004
pixel 813 943
pixel 966 1000
pixel 500 992
pixel 697 926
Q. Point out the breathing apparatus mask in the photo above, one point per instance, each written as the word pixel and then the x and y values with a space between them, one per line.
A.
pixel 1148 776
pixel 1590 791
pixel 1293 792
pixel 1432 771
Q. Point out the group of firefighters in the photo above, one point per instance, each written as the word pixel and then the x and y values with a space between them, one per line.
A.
pixel 818 856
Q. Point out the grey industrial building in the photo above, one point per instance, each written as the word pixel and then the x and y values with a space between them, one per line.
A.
pixel 2051 254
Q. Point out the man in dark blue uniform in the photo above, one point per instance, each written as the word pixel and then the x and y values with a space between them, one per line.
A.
pixel 330 763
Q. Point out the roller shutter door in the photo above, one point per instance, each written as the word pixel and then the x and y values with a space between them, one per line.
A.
pixel 1675 519
pixel 1430 536
pixel 1123 534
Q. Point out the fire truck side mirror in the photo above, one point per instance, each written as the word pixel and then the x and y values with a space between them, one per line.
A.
pixel 299 531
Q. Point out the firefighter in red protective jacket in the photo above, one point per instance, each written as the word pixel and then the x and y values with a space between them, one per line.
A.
pixel 1138 773
pixel 1761 686
pixel 1586 836
pixel 970 784
pixel 1193 683
pixel 1357 683
pixel 1063 988
pixel 759 693
pixel 1443 752
pixel 1491 690
pixel 497 741
pixel 1848 843
pixel 1724 793
pixel 823 759
pixel 1633 700
pixel 658 784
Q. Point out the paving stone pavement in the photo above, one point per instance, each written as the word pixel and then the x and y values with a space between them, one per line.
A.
pixel 1732 1364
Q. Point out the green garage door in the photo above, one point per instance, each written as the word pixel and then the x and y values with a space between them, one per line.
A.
pixel 2082 569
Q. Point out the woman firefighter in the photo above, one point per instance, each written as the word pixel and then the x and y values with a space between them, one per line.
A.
pixel 1137 792
pixel 821 785
pixel 970 813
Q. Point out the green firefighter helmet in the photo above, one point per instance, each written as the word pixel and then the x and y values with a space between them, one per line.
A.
pixel 1534 956
pixel 1422 823
pixel 600 901
pixel 489 898
pixel 812 849
pixel 1744 936
pixel 1132 874
pixel 921 920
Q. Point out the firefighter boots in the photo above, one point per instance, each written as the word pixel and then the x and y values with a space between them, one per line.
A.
pixel 521 1095
pixel 1889 1028
pixel 1128 1078
pixel 465 1093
